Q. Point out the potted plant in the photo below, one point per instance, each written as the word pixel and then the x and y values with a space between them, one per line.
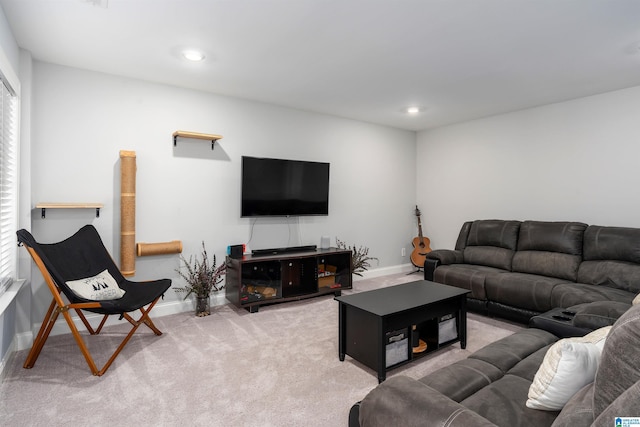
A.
pixel 359 257
pixel 203 277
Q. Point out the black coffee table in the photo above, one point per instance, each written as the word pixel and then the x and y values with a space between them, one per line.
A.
pixel 381 323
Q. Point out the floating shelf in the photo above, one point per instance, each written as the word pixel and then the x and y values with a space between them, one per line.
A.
pixel 196 135
pixel 45 206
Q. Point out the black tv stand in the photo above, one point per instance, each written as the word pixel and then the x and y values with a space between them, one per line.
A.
pixel 253 281
pixel 277 251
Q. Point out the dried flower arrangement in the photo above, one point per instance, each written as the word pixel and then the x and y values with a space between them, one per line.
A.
pixel 359 257
pixel 202 277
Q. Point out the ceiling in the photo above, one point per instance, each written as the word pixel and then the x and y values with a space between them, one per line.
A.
pixel 367 60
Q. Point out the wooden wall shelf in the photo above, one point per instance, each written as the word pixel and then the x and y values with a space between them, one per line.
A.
pixel 196 135
pixel 45 206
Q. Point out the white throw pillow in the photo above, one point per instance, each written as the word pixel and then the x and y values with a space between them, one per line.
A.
pixel 97 288
pixel 568 365
pixel 636 300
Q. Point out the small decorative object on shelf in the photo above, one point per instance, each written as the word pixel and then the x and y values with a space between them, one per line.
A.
pixel 359 257
pixel 202 277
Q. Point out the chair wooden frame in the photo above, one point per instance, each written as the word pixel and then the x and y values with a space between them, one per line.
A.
pixel 58 306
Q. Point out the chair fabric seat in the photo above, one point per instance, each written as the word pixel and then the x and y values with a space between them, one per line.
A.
pixel 82 256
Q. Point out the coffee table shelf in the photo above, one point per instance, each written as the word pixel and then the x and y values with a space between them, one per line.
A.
pixel 376 327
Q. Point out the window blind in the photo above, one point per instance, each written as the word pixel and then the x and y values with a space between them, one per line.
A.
pixel 8 188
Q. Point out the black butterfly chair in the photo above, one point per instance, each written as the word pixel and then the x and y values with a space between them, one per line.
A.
pixel 80 256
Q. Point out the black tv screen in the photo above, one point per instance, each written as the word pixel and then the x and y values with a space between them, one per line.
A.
pixel 278 187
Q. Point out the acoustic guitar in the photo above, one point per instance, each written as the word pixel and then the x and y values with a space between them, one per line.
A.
pixel 420 244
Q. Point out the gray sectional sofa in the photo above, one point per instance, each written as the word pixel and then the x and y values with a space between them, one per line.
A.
pixel 519 269
pixel 490 387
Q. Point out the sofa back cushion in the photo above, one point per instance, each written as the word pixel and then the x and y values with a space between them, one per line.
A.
pixel 619 367
pixel 461 243
pixel 611 258
pixel 550 249
pixel 492 243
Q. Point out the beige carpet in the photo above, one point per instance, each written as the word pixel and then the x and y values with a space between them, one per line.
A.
pixel 277 367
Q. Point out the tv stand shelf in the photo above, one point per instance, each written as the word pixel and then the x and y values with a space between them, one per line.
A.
pixel 253 281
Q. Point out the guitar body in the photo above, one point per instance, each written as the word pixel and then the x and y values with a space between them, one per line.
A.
pixel 420 245
pixel 420 251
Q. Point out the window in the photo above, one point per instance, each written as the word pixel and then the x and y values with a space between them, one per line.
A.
pixel 8 187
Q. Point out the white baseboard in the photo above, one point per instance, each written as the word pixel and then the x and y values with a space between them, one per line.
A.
pixel 9 353
pixel 385 271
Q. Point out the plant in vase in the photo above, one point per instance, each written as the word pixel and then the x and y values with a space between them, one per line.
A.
pixel 359 257
pixel 203 277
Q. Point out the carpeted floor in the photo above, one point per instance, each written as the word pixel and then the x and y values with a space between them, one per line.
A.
pixel 277 367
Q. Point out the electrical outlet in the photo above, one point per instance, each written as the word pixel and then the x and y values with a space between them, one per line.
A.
pixel 403 252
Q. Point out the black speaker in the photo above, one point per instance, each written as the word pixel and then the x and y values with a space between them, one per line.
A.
pixel 236 251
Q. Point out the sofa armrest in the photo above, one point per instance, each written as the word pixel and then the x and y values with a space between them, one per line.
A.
pixel 401 400
pixel 430 266
pixel 440 257
pixel 446 256
pixel 598 314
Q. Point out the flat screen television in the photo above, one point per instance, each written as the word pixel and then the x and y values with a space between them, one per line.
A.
pixel 279 187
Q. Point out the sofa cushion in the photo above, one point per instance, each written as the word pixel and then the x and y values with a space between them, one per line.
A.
pixel 578 412
pixel 491 243
pixel 626 405
pixel 610 273
pixel 401 399
pixel 463 378
pixel 525 291
pixel 619 366
pixel 511 393
pixel 489 255
pixel 509 351
pixel 494 232
pixel 554 264
pixel 562 237
pixel 466 276
pixel 461 241
pixel 549 249
pixel 528 367
pixel 612 243
pixel 568 294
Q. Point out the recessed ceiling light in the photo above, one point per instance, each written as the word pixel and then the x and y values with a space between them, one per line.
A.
pixel 413 110
pixel 193 55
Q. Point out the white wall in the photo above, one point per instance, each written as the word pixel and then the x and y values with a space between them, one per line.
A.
pixel 82 119
pixel 573 161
